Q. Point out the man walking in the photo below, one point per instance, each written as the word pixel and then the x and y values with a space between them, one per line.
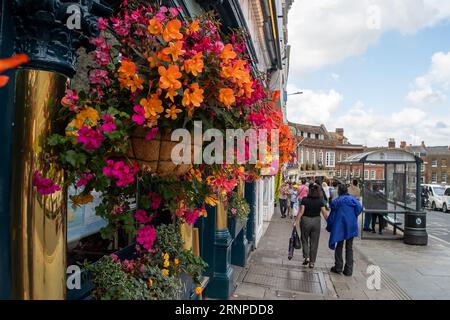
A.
pixel 283 194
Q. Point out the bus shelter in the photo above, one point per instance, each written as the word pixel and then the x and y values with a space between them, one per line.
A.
pixel 393 200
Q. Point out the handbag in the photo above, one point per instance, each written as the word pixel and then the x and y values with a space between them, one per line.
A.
pixel 294 243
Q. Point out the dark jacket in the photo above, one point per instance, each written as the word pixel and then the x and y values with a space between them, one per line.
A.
pixel 342 223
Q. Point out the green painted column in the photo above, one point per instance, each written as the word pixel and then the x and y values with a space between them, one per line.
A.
pixel 217 253
pixel 251 199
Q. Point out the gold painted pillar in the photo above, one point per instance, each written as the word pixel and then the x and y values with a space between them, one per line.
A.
pixel 222 217
pixel 186 231
pixel 38 222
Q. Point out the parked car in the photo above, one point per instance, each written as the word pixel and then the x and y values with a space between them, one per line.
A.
pixel 446 197
pixel 436 196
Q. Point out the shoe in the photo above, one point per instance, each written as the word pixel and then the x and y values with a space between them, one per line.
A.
pixel 305 262
pixel 381 232
pixel 367 229
pixel 347 273
pixel 334 270
pixel 311 265
pixel 283 216
pixel 373 231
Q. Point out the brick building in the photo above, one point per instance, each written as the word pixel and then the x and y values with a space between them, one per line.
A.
pixel 436 162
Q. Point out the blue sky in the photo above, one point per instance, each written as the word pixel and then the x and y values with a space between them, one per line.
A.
pixel 392 80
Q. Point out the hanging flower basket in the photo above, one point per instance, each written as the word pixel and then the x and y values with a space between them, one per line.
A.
pixel 156 154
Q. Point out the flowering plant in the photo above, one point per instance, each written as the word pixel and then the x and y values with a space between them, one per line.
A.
pixel 238 207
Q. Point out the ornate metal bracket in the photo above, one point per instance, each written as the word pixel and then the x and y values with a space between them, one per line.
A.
pixel 50 31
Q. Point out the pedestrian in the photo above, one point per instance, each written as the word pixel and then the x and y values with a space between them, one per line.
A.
pixel 292 200
pixel 342 224
pixel 302 191
pixel 310 209
pixel 282 196
pixel 326 190
pixel 333 191
pixel 354 190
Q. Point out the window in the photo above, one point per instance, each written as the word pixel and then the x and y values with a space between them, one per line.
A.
pixel 447 192
pixel 422 168
pixel 444 178
pixel 434 163
pixel 314 157
pixel 307 156
pixel 444 163
pixel 358 173
pixel 373 175
pixel 329 159
pixel 338 173
pixel 366 174
pixel 302 160
pixel 344 173
pixel 434 177
pixel 321 157
pixel 422 179
pixel 321 137
pixel 317 136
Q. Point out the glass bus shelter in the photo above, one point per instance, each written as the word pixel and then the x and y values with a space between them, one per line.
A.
pixel 390 191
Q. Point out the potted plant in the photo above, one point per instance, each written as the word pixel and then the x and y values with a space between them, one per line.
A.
pixel 238 210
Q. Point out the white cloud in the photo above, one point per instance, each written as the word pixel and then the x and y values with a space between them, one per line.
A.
pixel 325 32
pixel 363 125
pixel 312 106
pixel 428 88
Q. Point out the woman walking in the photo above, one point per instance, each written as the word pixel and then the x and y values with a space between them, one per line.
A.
pixel 311 208
pixel 343 227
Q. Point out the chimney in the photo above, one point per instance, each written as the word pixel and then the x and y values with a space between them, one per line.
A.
pixel 340 134
pixel 391 144
pixel 403 145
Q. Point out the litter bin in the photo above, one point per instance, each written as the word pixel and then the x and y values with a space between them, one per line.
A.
pixel 415 232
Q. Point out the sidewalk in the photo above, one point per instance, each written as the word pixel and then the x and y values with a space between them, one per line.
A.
pixel 270 275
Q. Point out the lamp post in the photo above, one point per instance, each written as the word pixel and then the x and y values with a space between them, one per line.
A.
pixel 294 93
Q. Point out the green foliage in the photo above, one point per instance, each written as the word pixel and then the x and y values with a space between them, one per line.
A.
pixel 238 207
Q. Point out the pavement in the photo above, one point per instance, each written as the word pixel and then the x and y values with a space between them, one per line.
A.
pixel 271 276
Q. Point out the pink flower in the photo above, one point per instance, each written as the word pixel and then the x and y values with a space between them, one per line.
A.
pixel 139 116
pixel 108 124
pixel 190 216
pixel 233 211
pixel 151 134
pixel 122 173
pixel 102 23
pixel 44 186
pixel 146 236
pixel 173 12
pixel 142 217
pixel 163 9
pixel 155 200
pixel 92 139
pixel 84 179
pixel 99 76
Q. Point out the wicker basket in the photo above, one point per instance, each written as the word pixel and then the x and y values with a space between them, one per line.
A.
pixel 156 153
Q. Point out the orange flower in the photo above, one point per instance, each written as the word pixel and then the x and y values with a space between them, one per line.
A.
pixel 169 76
pixel 194 65
pixel 155 27
pixel 127 69
pixel 165 272
pixel 133 84
pixel 198 290
pixel 10 63
pixel 193 27
pixel 174 49
pixel 236 72
pixel 150 282
pixel 86 117
pixel 193 96
pixel 176 261
pixel 226 96
pixel 152 106
pixel 172 112
pixel 171 93
pixel 172 30
pixel 227 52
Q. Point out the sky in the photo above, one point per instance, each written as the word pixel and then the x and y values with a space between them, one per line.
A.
pixel 379 69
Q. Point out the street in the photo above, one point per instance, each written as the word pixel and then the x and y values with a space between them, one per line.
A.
pixel 438 225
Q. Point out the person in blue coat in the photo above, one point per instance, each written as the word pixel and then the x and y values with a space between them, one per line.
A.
pixel 342 224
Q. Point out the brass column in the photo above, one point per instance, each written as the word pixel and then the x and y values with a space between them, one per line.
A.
pixel 38 222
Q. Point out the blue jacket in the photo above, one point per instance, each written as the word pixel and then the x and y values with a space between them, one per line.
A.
pixel 342 223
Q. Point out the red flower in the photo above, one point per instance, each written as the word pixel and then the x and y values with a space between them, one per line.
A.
pixel 44 186
pixel 92 139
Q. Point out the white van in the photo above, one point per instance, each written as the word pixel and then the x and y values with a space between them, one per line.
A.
pixel 436 196
pixel 446 205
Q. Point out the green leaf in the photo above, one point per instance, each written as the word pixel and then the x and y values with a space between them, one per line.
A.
pixel 75 159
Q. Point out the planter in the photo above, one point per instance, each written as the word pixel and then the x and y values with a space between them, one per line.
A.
pixel 156 154
pixel 234 226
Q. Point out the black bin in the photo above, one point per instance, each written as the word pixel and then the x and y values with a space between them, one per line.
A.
pixel 415 232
